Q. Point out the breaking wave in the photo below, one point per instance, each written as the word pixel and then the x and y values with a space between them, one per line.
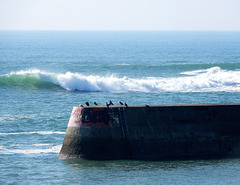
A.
pixel 203 80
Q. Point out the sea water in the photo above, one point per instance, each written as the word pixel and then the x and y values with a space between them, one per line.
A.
pixel 45 73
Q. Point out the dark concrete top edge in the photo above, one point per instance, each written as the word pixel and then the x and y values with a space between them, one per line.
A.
pixel 167 105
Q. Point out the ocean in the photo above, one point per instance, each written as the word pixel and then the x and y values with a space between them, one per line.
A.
pixel 45 73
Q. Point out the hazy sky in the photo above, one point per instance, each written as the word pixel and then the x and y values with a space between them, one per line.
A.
pixel 120 14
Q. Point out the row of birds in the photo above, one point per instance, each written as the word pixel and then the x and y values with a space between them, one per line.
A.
pixel 107 104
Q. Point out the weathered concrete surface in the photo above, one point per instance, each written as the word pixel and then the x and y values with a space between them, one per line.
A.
pixel 153 132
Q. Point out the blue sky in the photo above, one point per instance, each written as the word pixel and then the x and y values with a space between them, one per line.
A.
pixel 119 14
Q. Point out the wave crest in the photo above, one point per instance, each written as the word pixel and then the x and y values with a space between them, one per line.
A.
pixel 35 78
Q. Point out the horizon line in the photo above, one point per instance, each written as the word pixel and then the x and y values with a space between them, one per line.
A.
pixel 173 30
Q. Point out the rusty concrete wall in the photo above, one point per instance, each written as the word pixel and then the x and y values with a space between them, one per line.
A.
pixel 155 132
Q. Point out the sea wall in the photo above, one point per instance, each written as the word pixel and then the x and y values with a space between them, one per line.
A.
pixel 157 132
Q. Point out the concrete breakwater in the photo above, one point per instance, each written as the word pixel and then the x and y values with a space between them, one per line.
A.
pixel 154 132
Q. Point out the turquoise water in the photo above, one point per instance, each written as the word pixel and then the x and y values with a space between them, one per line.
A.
pixel 44 74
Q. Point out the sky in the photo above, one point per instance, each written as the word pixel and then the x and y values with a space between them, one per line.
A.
pixel 120 15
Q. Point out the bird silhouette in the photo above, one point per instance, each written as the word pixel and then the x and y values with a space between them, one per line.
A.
pixel 121 103
pixel 87 103
pixel 125 104
pixel 111 103
pixel 95 103
pixel 107 104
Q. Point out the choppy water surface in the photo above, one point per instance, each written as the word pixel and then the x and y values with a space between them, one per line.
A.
pixel 44 74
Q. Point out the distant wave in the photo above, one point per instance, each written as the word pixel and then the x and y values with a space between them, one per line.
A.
pixel 203 80
pixel 123 64
pixel 34 132
pixel 34 149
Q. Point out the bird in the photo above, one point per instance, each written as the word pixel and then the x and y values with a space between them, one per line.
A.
pixel 111 103
pixel 121 103
pixel 87 103
pixel 125 104
pixel 107 104
pixel 147 105
pixel 95 103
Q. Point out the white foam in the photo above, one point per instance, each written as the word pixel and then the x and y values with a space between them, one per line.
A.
pixel 212 79
pixel 34 150
pixel 123 64
pixel 41 144
pixel 36 132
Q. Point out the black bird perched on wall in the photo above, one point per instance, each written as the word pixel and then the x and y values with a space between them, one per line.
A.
pixel 121 103
pixel 107 104
pixel 95 103
pixel 111 103
pixel 87 103
pixel 125 104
